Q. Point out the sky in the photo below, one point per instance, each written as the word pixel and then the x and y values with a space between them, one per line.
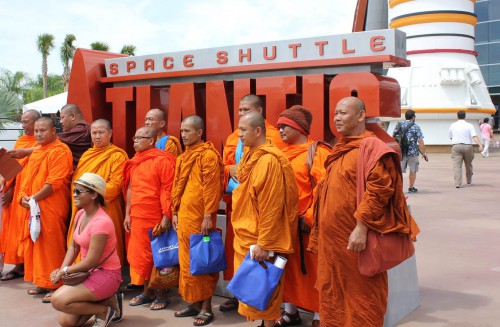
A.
pixel 160 26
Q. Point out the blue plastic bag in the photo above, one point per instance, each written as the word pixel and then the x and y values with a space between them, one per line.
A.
pixel 253 284
pixel 165 248
pixel 206 254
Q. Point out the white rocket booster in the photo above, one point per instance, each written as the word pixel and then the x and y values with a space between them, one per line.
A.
pixel 444 76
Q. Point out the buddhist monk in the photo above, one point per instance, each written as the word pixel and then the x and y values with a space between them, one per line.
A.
pixel 345 213
pixel 147 179
pixel 196 197
pixel 11 222
pixel 156 118
pixel 106 160
pixel 265 207
pixel 48 174
pixel 233 151
pixel 76 131
pixel 307 159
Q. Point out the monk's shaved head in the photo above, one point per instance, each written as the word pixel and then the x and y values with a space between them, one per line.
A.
pixel 255 119
pixel 147 131
pixel 255 100
pixel 72 109
pixel 101 121
pixel 159 113
pixel 47 120
pixel 32 114
pixel 195 121
pixel 355 103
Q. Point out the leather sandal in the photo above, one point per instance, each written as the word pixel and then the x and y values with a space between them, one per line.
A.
pixel 288 319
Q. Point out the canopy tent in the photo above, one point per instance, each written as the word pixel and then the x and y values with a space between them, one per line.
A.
pixel 50 105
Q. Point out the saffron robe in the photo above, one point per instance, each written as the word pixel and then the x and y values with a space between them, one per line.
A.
pixel 107 162
pixel 348 298
pixel 264 213
pixel 197 191
pixel 173 145
pixel 78 139
pixel 299 288
pixel 50 164
pixel 150 175
pixel 229 159
pixel 12 222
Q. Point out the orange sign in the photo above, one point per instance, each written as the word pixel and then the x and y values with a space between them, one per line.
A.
pixel 314 72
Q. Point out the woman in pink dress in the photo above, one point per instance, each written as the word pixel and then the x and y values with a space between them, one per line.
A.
pixel 95 240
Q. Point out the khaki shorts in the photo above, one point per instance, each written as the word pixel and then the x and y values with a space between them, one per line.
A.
pixel 411 162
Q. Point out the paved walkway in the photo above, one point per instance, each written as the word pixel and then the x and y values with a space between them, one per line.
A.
pixel 458 259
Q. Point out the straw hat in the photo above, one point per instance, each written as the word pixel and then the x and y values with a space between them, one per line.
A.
pixel 93 182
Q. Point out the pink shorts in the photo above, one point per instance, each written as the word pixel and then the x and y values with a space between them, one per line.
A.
pixel 103 283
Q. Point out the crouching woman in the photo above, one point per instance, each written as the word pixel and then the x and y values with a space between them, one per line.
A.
pixel 95 240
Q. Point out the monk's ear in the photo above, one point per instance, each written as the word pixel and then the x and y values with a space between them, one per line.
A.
pixel 258 131
pixel 199 132
pixel 361 115
pixel 162 124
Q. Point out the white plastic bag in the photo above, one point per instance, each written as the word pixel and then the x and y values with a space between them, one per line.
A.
pixel 34 219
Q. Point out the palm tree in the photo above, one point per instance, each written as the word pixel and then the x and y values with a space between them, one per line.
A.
pixel 128 49
pixel 100 46
pixel 9 104
pixel 13 82
pixel 67 53
pixel 45 44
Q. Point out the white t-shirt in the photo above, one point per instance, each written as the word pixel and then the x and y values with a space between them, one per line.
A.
pixel 461 132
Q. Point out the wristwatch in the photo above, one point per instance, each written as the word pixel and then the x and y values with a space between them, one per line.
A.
pixel 65 269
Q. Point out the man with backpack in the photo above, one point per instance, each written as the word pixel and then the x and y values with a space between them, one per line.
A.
pixel 411 139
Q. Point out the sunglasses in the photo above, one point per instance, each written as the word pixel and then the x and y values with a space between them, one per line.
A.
pixel 78 192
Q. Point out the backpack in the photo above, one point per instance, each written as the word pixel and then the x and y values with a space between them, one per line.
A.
pixel 400 137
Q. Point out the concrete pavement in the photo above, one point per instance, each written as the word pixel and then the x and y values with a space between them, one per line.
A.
pixel 458 259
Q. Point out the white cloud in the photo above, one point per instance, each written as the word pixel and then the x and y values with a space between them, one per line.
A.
pixel 160 26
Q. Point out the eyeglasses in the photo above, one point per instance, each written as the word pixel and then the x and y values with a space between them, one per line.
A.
pixel 136 138
pixel 78 192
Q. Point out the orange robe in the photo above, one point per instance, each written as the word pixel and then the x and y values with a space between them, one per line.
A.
pixel 272 136
pixel 11 217
pixel 107 162
pixel 197 191
pixel 299 288
pixel 173 145
pixel 50 164
pixel 150 175
pixel 264 213
pixel 348 298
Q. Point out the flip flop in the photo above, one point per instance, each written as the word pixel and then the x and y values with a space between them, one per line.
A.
pixel 162 302
pixel 37 291
pixel 11 275
pixel 144 299
pixel 188 311
pixel 229 305
pixel 205 317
